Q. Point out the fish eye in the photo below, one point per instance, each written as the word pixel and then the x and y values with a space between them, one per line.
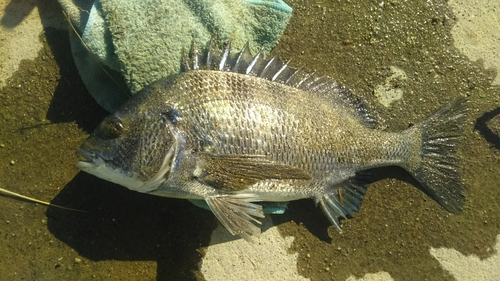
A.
pixel 112 128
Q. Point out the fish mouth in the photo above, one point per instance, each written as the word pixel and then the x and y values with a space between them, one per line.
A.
pixel 95 164
pixel 91 159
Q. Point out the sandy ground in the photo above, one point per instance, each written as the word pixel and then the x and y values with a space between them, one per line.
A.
pixel 420 53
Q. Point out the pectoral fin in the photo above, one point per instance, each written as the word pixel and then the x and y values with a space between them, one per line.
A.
pixel 237 214
pixel 238 172
pixel 272 208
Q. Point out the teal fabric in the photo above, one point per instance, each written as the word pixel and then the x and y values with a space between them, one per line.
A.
pixel 140 42
pixel 277 5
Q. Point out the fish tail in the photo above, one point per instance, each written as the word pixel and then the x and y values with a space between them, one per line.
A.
pixel 435 165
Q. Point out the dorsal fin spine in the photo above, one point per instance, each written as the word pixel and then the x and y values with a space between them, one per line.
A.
pixel 185 60
pixel 210 53
pixel 267 67
pixel 285 66
pixel 195 57
pixel 239 57
pixel 225 56
pixel 276 71
pixel 252 63
pixel 304 79
pixel 294 73
pixel 195 61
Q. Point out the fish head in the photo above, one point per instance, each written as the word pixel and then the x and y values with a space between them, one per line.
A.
pixel 133 147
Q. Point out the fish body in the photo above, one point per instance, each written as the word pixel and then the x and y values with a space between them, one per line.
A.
pixel 240 129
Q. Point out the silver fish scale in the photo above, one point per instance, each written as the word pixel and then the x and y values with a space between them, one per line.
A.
pixel 228 113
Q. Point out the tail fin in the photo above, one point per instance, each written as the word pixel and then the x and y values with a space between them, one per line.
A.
pixel 436 164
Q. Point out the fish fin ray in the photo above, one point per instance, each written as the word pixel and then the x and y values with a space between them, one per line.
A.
pixel 342 96
pixel 273 69
pixel 345 198
pixel 238 172
pixel 436 164
pixel 243 59
pixel 225 58
pixel 272 208
pixel 238 215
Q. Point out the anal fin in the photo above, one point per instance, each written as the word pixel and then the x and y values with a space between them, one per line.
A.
pixel 238 214
pixel 345 198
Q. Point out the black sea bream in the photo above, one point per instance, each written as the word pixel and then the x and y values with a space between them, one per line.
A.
pixel 236 130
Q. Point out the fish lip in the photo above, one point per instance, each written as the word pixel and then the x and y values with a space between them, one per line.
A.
pixel 89 156
pixel 91 159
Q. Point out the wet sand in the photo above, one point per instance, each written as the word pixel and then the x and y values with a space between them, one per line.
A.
pixel 46 113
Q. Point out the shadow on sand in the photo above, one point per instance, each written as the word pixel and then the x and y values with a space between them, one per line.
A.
pixel 125 225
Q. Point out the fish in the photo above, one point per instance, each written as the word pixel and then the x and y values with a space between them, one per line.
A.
pixel 234 130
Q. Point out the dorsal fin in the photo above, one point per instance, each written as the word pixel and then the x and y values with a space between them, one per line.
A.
pixel 275 70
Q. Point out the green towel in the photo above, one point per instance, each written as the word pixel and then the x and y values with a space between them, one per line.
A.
pixel 140 42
